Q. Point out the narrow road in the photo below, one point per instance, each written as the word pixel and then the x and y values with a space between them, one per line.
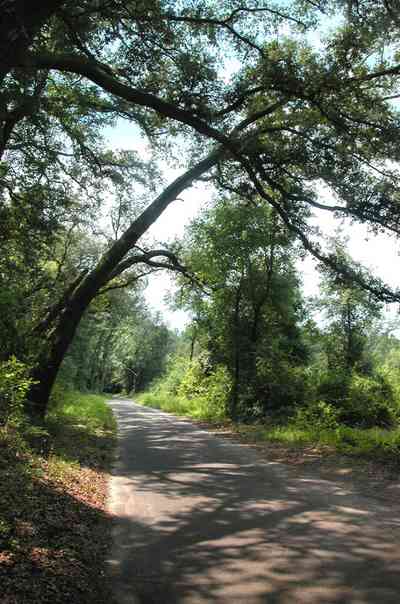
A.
pixel 201 519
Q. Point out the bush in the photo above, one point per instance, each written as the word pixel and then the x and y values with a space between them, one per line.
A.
pixel 209 392
pixel 281 387
pixel 14 386
pixel 190 389
pixel 317 415
pixel 362 401
pixel 369 403
pixel 171 381
pixel 216 392
pixel 333 387
pixel 192 381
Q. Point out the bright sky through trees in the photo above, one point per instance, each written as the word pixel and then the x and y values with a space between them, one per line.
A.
pixel 301 112
pixel 380 253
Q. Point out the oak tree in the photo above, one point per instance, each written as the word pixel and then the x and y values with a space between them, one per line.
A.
pixel 293 115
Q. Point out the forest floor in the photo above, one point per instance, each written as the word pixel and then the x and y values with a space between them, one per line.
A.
pixel 54 528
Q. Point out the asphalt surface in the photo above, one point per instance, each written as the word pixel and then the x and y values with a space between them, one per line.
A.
pixel 202 519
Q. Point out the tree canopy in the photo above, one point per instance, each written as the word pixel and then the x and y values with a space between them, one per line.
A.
pixel 250 95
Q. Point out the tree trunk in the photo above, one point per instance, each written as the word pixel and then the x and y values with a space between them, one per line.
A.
pixel 47 368
pixel 192 343
pixel 88 288
pixel 258 306
pixel 350 360
pixel 234 402
pixel 102 365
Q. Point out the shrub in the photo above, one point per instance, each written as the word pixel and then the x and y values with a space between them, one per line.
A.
pixel 216 392
pixel 281 387
pixel 210 392
pixel 14 386
pixel 191 388
pixel 317 415
pixel 192 381
pixel 362 401
pixel 333 387
pixel 171 381
pixel 369 403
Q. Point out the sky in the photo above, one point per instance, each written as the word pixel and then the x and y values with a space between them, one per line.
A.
pixel 378 253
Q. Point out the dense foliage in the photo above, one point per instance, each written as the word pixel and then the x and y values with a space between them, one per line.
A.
pixel 248 319
pixel 269 103
pixel 322 363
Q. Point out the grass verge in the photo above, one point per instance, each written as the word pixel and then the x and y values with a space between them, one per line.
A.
pixel 54 530
pixel 170 403
pixel 373 444
pixel 197 408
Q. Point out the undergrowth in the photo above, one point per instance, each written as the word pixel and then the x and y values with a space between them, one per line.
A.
pixel 193 407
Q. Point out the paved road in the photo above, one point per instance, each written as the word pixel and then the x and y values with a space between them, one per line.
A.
pixel 201 519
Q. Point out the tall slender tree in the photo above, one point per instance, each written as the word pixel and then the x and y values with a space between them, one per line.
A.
pixel 249 316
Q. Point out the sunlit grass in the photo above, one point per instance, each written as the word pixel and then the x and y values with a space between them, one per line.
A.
pixel 374 443
pixel 193 407
pixel 89 410
pixel 82 428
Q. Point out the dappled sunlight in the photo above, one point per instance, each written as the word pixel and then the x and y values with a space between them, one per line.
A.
pixel 54 551
pixel 199 519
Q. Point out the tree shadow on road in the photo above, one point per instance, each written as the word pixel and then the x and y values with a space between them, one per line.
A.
pixel 229 527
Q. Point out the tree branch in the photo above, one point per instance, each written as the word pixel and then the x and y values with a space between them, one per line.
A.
pixel 103 76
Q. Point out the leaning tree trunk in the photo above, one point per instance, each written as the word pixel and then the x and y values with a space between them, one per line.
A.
pixel 46 370
pixel 69 317
pixel 60 338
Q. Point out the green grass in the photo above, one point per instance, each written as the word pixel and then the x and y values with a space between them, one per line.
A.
pixel 82 428
pixel 375 443
pixel 89 410
pixel 167 402
pixel 194 407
